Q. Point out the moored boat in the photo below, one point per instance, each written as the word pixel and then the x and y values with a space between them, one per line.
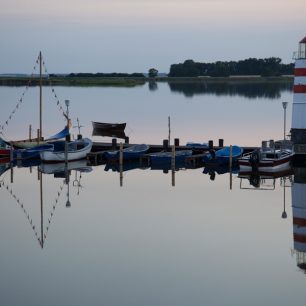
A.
pixel 132 152
pixel 267 159
pixel 166 157
pixel 34 142
pixel 108 126
pixel 76 150
pixel 223 155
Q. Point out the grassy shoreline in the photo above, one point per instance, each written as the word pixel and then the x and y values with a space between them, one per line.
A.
pixel 131 82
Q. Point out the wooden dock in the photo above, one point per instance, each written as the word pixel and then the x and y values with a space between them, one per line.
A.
pixel 95 157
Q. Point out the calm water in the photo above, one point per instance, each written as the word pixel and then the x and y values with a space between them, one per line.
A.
pixel 148 242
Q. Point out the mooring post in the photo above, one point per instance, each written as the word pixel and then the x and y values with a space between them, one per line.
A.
pixel 30 132
pixel 121 163
pixel 127 140
pixel 38 136
pixel 210 144
pixel 173 165
pixel 114 143
pixel 177 142
pixel 221 143
pixel 230 166
pixel 66 152
pixel 165 144
pixel 11 162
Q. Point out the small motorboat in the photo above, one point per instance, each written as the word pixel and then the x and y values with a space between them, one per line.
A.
pixel 268 159
pixel 76 150
pixel 222 156
pixel 132 152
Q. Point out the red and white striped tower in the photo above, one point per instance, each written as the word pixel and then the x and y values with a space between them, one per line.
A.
pixel 298 122
pixel 299 223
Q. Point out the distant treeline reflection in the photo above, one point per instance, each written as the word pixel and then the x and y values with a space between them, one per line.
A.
pixel 258 89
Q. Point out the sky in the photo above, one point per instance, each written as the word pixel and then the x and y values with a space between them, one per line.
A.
pixel 136 35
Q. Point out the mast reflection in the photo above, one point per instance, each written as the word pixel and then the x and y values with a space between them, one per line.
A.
pixel 59 171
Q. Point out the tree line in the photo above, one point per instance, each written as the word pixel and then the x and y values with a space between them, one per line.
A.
pixel 271 66
pixel 102 75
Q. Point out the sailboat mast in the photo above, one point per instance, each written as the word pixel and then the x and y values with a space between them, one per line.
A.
pixel 41 212
pixel 40 96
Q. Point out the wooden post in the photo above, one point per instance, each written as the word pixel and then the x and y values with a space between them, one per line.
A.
pixel 38 136
pixel 121 163
pixel 11 162
pixel 114 144
pixel 210 144
pixel 177 142
pixel 165 144
pixel 221 143
pixel 127 140
pixel 30 132
pixel 169 127
pixel 66 152
pixel 230 166
pixel 173 165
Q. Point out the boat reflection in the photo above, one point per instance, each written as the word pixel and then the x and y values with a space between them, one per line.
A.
pixel 262 180
pixel 60 170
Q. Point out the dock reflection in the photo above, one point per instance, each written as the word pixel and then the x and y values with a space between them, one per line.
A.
pixel 67 176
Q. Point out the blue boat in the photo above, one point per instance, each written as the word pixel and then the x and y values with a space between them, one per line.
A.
pixel 222 156
pixel 32 153
pixel 132 152
pixel 165 158
pixel 196 145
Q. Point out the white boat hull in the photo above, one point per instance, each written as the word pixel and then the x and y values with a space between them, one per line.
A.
pixel 60 156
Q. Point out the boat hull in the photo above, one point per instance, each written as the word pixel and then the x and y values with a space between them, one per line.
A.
pixel 108 126
pixel 222 156
pixel 129 153
pixel 55 156
pixel 165 158
pixel 266 165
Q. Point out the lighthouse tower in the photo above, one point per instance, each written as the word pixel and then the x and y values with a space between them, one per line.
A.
pixel 298 122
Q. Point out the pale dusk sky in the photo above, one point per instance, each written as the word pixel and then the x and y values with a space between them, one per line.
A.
pixel 135 35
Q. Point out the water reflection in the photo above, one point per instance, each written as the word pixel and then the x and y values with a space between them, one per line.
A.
pixel 58 170
pixel 298 196
pixel 70 175
pixel 248 89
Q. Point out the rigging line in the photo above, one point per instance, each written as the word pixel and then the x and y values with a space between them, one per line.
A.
pixel 10 117
pixel 53 209
pixel 21 205
pixel 58 103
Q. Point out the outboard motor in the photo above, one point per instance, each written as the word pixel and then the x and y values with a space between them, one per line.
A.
pixel 254 160
pixel 255 180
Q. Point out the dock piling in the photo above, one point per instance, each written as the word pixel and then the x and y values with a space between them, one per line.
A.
pixel 165 144
pixel 114 143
